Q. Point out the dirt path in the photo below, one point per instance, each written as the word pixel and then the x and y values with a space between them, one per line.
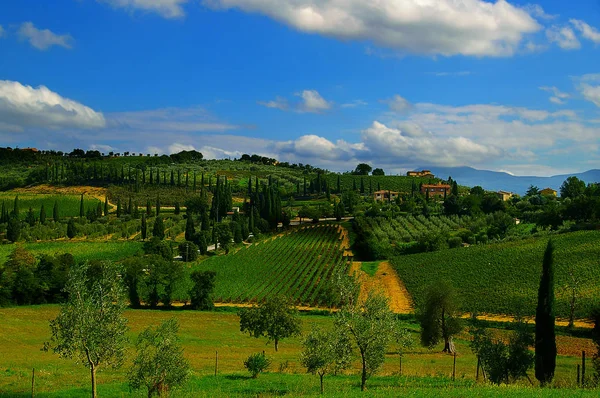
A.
pixel 387 281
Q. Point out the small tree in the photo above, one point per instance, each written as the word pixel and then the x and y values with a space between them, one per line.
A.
pixel 158 230
pixel 326 352
pixel 256 364
pixel 438 319
pixel 90 326
pixel 71 229
pixel 159 365
pixel 545 339
pixel 55 213
pixel 188 251
pixel 81 207
pixel 275 318
pixel 13 229
pixel 189 227
pixel 42 215
pixel 105 206
pixel 404 341
pixel 201 292
pixel 371 325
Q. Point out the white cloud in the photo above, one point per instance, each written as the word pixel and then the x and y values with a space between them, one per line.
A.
pixel 279 103
pixel 354 104
pixel 558 98
pixel 164 8
pixel 43 39
pixel 194 119
pixel 446 27
pixel 102 148
pixel 591 93
pixel 397 103
pixel 586 30
pixel 26 106
pixel 313 102
pixel 444 74
pixel 537 11
pixel 564 37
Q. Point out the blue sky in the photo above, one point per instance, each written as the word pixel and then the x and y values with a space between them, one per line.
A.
pixel 399 84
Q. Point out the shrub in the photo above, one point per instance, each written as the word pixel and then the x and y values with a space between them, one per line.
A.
pixel 188 251
pixel 256 364
pixel 454 242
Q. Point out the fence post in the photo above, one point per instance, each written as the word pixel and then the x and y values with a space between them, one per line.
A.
pixel 32 382
pixel 216 362
pixel 583 368
pixel 454 367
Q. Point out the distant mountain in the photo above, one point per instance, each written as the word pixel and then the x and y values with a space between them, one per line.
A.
pixel 496 180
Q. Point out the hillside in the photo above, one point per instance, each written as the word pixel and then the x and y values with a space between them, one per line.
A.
pixel 495 180
pixel 507 274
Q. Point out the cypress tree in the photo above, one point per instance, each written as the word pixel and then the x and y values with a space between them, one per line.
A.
pixel 250 186
pixel 136 210
pixel 13 229
pixel 30 218
pixel 354 184
pixel 177 210
pixel 251 220
pixel 159 228
pixel 55 214
pixel 105 206
pixel 99 210
pixel 189 227
pixel 42 214
pixel 194 186
pixel 16 207
pixel 362 185
pixel 454 188
pixel 3 214
pixel 144 228
pixel 151 177
pixel 204 218
pixel 148 208
pixel 130 206
pixel 545 339
pixel 157 206
pixel 71 228
pixel 304 185
pixel 119 207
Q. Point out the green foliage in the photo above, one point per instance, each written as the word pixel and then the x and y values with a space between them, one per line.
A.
pixel 545 339
pixel 90 327
pixel 159 365
pixel 439 317
pixel 504 362
pixel 257 364
pixel 301 265
pixel 326 353
pixel 572 187
pixel 371 326
pixel 275 319
pixel 13 228
pixel 161 248
pixel 202 289
pixel 188 251
pixel 507 273
pixel 71 228
pixel 158 230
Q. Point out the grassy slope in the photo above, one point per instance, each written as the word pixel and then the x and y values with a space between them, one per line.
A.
pixel 82 251
pixel 503 278
pixel 25 329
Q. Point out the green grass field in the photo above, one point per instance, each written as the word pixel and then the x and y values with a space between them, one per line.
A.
pixel 298 264
pixel 82 251
pixel 425 372
pixel 503 278
pixel 68 205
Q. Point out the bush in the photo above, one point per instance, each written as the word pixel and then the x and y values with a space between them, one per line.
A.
pixel 454 242
pixel 256 364
pixel 188 251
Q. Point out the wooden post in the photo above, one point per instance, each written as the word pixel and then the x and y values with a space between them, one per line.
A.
pixel 454 368
pixel 32 382
pixel 216 362
pixel 578 374
pixel 478 365
pixel 583 368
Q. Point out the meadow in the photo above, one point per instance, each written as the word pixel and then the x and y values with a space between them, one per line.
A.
pixel 424 372
pixel 81 251
pixel 507 273
pixel 68 205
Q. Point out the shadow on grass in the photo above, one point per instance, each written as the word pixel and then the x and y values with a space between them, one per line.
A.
pixel 237 377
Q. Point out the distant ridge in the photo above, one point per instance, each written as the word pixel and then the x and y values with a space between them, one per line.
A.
pixel 497 180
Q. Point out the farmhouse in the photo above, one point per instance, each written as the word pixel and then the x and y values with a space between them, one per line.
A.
pixel 548 192
pixel 504 195
pixel 422 173
pixel 436 189
pixel 380 196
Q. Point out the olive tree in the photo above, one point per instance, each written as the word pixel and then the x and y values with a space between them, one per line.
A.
pixel 159 365
pixel 438 317
pixel 275 319
pixel 326 352
pixel 90 327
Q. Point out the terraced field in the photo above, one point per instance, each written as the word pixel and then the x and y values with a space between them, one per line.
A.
pixel 298 265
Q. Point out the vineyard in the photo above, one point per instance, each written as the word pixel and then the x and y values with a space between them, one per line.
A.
pixel 373 183
pixel 507 274
pixel 409 228
pixel 298 265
